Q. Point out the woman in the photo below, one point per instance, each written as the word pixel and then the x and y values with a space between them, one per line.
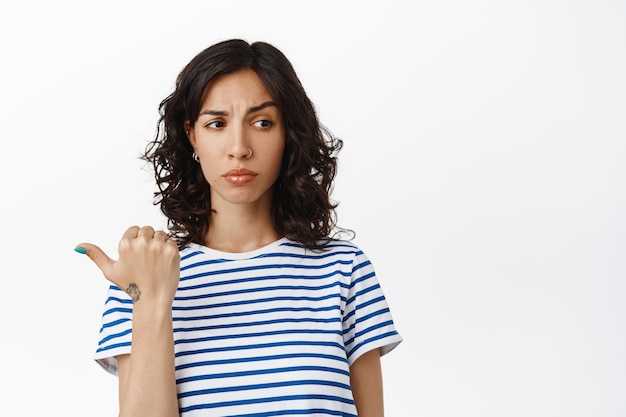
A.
pixel 249 305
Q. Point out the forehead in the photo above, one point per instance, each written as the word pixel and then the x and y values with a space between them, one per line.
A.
pixel 243 86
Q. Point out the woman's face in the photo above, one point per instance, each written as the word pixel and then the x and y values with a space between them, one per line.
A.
pixel 239 137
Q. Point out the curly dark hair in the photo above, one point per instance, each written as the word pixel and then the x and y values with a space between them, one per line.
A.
pixel 301 209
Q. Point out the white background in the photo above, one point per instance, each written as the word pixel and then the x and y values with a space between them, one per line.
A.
pixel 483 171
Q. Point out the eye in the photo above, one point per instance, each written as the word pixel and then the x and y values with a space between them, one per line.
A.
pixel 215 124
pixel 263 123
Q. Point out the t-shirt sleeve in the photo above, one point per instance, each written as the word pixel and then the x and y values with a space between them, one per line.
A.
pixel 367 320
pixel 116 329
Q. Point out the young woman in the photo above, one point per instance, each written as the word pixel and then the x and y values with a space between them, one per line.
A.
pixel 250 304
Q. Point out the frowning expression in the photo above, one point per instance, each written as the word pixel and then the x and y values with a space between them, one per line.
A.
pixel 239 138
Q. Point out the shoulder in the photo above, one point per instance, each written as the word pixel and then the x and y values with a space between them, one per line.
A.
pixel 345 247
pixel 190 250
pixel 329 247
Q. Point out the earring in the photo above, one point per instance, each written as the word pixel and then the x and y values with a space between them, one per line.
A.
pixel 195 157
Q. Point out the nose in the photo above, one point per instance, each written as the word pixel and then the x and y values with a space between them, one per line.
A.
pixel 243 153
pixel 239 148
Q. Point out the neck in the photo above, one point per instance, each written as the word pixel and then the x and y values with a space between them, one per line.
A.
pixel 240 229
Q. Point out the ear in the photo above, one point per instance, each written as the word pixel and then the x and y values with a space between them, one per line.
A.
pixel 190 135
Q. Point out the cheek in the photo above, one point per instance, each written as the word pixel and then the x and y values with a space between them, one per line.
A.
pixel 277 155
pixel 210 172
pixel 279 148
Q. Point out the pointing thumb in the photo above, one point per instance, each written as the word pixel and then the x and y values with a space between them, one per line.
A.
pixel 97 255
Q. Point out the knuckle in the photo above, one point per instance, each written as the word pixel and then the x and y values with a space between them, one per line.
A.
pixel 171 249
pixel 124 244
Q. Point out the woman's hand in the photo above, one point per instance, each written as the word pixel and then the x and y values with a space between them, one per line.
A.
pixel 148 266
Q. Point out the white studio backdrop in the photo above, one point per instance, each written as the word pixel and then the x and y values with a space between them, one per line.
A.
pixel 483 171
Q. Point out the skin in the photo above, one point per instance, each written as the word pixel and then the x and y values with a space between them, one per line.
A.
pixel 239 127
pixel 237 116
pixel 147 384
pixel 366 381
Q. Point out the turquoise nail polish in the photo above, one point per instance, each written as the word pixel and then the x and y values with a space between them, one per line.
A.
pixel 80 250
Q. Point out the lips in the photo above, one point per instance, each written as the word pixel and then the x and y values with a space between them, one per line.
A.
pixel 239 176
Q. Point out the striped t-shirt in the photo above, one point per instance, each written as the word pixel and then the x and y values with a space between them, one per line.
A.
pixel 265 333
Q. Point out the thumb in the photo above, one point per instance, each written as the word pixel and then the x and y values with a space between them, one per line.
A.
pixel 97 255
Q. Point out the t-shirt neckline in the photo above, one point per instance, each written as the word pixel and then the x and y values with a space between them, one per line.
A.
pixel 239 255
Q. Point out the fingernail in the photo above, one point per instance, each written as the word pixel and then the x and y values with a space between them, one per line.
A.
pixel 80 249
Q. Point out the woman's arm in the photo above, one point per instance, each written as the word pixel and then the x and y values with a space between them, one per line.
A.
pixel 366 380
pixel 148 269
pixel 147 383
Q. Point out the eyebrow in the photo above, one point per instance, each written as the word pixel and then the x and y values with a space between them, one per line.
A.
pixel 250 110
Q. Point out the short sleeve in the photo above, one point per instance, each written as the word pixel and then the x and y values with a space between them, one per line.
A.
pixel 116 329
pixel 367 320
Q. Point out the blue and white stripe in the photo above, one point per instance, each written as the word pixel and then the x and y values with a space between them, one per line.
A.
pixel 266 333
